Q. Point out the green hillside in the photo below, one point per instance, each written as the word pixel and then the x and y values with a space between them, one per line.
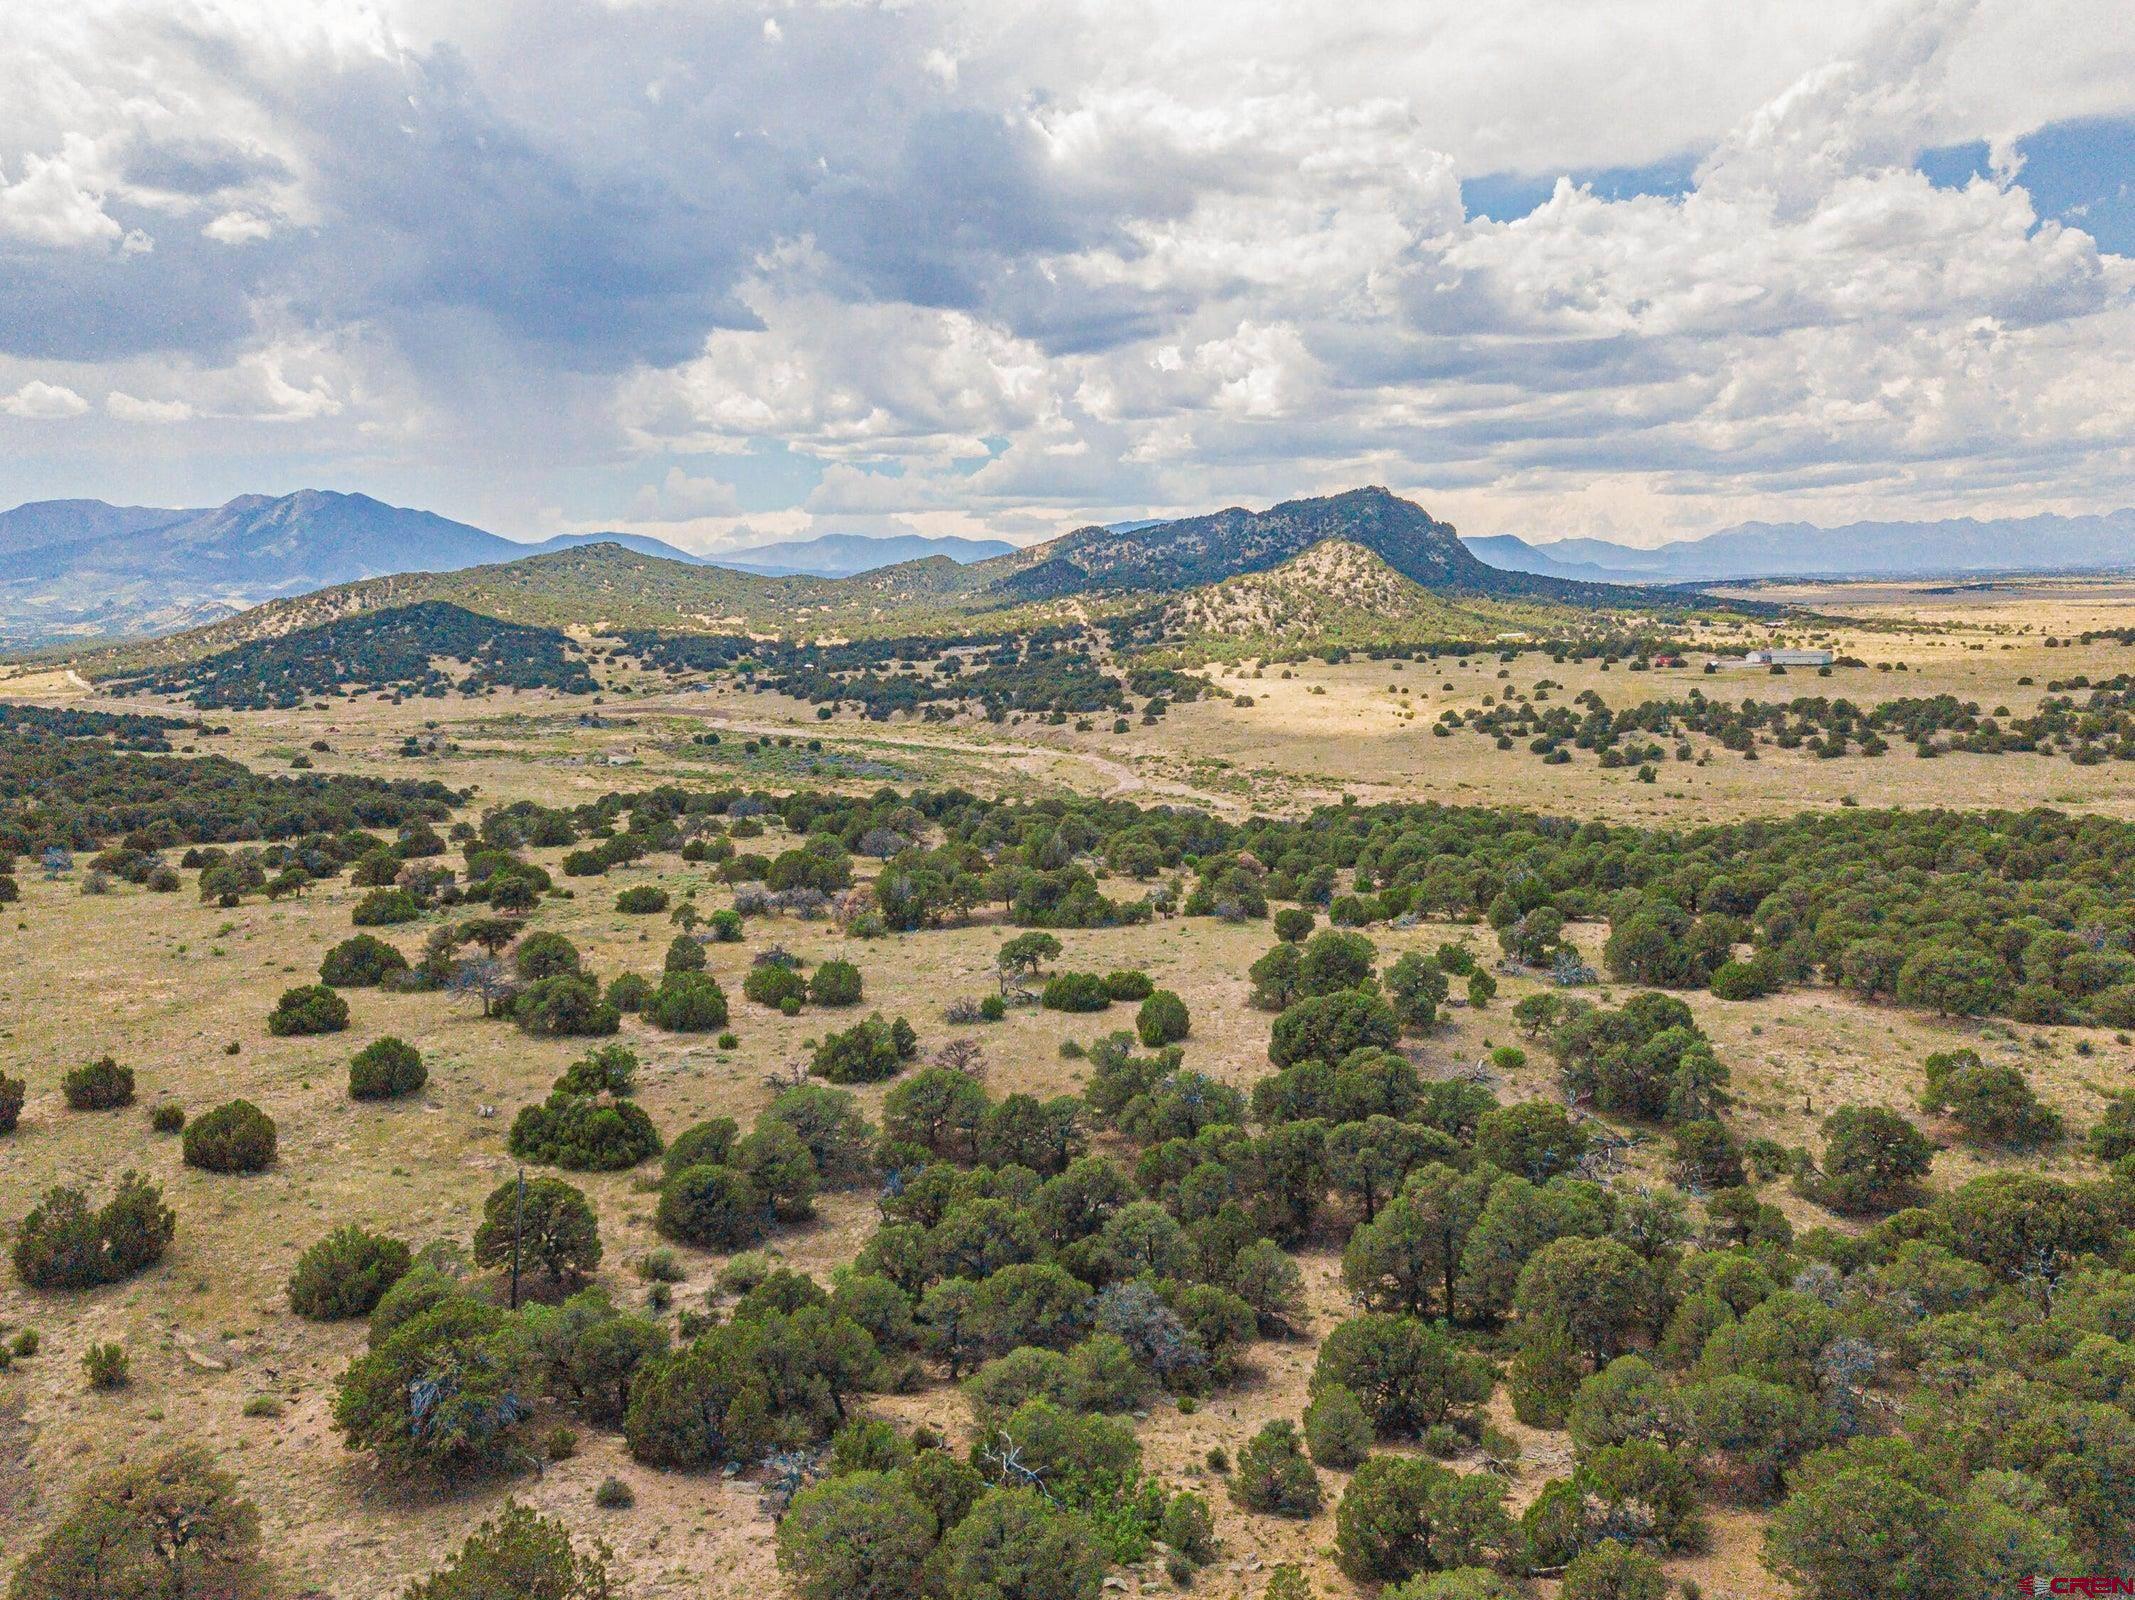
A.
pixel 404 650
pixel 1400 574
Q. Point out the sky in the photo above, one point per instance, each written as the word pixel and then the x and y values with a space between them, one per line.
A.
pixel 728 273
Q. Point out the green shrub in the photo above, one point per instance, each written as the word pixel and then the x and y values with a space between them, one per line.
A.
pixel 13 1091
pixel 1873 1159
pixel 114 1540
pixel 1401 1515
pixel 1455 958
pixel 1162 1019
pixel 773 1158
pixel 423 1288
pixel 629 992
pixel 1337 1431
pixel 1354 910
pixel 583 1133
pixel 106 1366
pixel 1406 1373
pixel 548 1223
pixel 725 926
pixel 520 1555
pixel 346 1274
pixel 1292 924
pixel 687 1002
pixel 169 1117
pixel 1534 1139
pixel 1015 1543
pixel 2111 1137
pixel 835 983
pixel 1075 992
pixel 100 1086
pixel 830 1124
pixel 62 1244
pixel 1128 986
pixel 684 954
pixel 1992 1103
pixel 1742 980
pixel 361 962
pixel 516 891
pixel 1415 987
pixel 565 1006
pixel 384 907
pixel 744 1272
pixel 234 1137
pixel 1553 1527
pixel 1328 1027
pixel 771 984
pixel 860 1535
pixel 1613 1571
pixel 712 1206
pixel 546 955
pixel 661 1266
pixel 867 1052
pixel 614 1495
pixel 1456 1583
pixel 445 1386
pixel 703 1144
pixel 1273 1475
pixel 1707 1155
pixel 642 900
pixel 385 1068
pixel 310 1009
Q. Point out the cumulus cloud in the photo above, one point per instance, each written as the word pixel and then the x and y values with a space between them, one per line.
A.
pixel 1018 265
pixel 51 205
pixel 238 227
pixel 45 402
pixel 131 408
pixel 678 497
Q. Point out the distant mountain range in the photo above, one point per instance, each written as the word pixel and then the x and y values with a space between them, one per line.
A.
pixel 1950 549
pixel 1381 567
pixel 84 569
pixel 81 569
pixel 847 555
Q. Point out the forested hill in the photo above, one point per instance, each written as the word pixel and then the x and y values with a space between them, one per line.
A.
pixel 403 650
pixel 1169 557
pixel 606 588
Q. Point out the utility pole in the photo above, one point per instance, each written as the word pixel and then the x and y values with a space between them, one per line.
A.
pixel 518 1218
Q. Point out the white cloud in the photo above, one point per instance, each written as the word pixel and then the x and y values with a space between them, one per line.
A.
pixel 131 408
pixel 678 497
pixel 50 204
pixel 844 380
pixel 1071 263
pixel 848 491
pixel 238 227
pixel 45 402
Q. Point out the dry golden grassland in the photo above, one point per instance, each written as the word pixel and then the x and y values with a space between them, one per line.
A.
pixel 168 985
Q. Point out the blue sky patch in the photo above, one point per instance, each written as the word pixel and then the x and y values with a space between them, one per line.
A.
pixel 1508 196
pixel 2080 172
